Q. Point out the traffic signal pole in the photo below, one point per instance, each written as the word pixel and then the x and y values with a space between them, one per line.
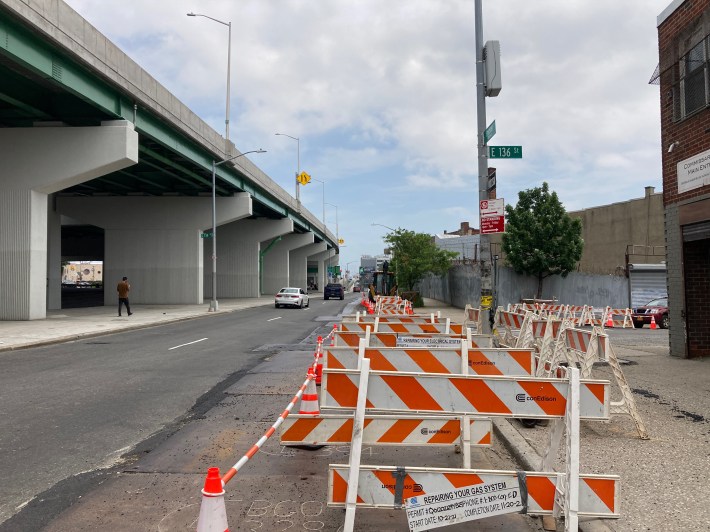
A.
pixel 486 300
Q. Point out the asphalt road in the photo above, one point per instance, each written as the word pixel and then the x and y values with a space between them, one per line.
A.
pixel 71 409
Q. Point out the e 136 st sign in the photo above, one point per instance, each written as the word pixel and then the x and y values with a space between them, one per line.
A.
pixel 505 152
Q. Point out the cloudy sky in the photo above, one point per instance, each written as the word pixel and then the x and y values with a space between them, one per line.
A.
pixel 382 96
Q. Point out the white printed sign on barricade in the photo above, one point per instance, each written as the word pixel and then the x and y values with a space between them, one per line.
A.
pixel 387 487
pixel 460 505
pixel 414 340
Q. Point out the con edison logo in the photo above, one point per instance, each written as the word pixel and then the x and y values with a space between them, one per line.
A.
pixel 425 431
pixel 521 398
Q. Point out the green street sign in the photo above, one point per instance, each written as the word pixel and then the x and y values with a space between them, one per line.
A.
pixel 489 132
pixel 205 235
pixel 505 152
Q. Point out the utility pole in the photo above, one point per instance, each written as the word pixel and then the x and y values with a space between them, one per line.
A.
pixel 486 300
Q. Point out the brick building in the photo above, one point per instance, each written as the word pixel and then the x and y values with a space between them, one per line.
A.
pixel 684 77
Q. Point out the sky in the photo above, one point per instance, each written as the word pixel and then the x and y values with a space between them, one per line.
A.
pixel 382 95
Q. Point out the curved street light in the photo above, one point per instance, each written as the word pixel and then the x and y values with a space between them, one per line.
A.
pixel 229 62
pixel 385 226
pixel 214 305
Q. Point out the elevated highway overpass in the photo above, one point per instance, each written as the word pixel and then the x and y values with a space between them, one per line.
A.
pixel 88 137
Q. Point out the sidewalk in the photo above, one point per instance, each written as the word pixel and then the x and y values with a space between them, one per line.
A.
pixel 663 480
pixel 70 324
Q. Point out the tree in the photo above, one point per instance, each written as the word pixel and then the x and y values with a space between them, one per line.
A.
pixel 540 238
pixel 414 255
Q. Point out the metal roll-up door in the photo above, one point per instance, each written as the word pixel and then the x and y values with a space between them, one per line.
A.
pixel 646 282
pixel 699 231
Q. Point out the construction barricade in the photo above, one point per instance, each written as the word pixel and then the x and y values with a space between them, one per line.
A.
pixel 473 318
pixel 463 360
pixel 583 348
pixel 397 318
pixel 354 485
pixel 381 339
pixel 404 328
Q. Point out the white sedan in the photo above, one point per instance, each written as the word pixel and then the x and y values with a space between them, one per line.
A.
pixel 295 297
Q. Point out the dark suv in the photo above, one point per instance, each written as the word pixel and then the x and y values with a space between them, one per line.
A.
pixel 334 290
pixel 657 308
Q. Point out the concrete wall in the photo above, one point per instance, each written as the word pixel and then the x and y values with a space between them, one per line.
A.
pixel 462 285
pixel 608 229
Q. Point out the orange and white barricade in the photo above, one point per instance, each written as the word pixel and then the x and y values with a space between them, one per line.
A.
pixel 396 318
pixel 596 317
pixel 356 485
pixel 578 315
pixel 520 397
pixel 462 360
pixel 584 348
pixel 511 323
pixel 619 317
pixel 391 430
pixel 473 316
pixel 378 486
pixel 404 328
pixel 380 339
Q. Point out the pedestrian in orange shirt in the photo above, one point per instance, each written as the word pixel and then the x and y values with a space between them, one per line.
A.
pixel 123 288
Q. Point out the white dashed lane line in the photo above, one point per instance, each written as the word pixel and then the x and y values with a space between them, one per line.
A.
pixel 188 343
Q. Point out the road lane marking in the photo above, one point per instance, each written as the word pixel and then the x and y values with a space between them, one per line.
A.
pixel 277 318
pixel 188 343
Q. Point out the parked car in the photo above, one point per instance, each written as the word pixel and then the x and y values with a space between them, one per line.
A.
pixel 356 288
pixel 334 290
pixel 656 308
pixel 290 296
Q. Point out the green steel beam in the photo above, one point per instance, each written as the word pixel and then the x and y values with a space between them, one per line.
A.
pixel 38 56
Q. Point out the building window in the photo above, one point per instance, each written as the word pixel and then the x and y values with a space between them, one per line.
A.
pixel 693 80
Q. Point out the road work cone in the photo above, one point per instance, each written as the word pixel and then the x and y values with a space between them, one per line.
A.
pixel 332 335
pixel 213 514
pixel 309 399
pixel 653 323
pixel 609 321
pixel 319 364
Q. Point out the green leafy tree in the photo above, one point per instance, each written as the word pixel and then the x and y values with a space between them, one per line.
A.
pixel 414 255
pixel 540 238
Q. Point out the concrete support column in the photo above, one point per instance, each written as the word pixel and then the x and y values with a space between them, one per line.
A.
pixel 54 257
pixel 276 261
pixel 322 261
pixel 298 263
pixel 35 163
pixel 239 246
pixel 155 242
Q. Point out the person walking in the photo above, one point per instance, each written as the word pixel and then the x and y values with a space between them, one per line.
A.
pixel 123 288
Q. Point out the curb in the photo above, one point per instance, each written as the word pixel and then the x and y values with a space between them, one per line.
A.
pixel 137 326
pixel 530 460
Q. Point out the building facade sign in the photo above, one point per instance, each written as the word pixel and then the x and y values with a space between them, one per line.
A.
pixel 694 172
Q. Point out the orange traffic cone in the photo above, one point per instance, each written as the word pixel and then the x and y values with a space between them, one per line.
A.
pixel 213 514
pixel 653 323
pixel 332 335
pixel 609 321
pixel 319 363
pixel 309 399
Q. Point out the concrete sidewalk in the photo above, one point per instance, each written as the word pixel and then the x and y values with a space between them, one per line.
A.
pixel 71 324
pixel 664 480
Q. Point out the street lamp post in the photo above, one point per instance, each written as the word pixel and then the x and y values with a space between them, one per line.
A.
pixel 298 163
pixel 385 226
pixel 214 305
pixel 323 186
pixel 229 63
pixel 337 234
